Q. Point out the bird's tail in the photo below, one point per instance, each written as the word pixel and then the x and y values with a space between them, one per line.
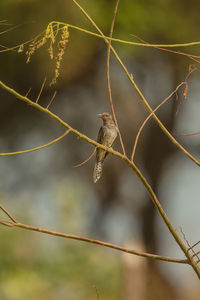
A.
pixel 98 168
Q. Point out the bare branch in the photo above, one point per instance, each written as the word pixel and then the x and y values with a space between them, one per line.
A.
pixel 190 56
pixel 37 148
pixel 150 115
pixel 9 29
pixel 8 214
pixel 26 95
pixel 41 89
pixel 194 245
pixel 108 78
pixel 93 241
pixel 85 161
pixel 53 97
pixel 59 120
pixel 189 246
pixel 188 134
pixel 125 159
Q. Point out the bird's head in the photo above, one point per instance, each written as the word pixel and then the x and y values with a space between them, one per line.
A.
pixel 105 117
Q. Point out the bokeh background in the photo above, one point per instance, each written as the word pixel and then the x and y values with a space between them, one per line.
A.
pixel 44 189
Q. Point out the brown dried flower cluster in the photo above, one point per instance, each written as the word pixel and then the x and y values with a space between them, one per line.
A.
pixel 50 34
pixel 34 46
pixel 61 50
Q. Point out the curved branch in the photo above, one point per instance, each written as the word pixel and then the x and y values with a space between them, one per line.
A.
pixel 149 116
pixel 108 38
pixel 102 36
pixel 36 148
pixel 8 214
pixel 59 120
pixel 93 241
pixel 85 161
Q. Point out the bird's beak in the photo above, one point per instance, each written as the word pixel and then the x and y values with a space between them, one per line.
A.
pixel 100 115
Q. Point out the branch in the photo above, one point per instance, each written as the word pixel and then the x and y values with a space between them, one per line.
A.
pixel 133 166
pixel 24 43
pixel 188 134
pixel 41 89
pixel 125 159
pixel 8 214
pixel 109 38
pixel 108 78
pixel 150 115
pixel 9 29
pixel 85 161
pixel 93 241
pixel 59 120
pixel 36 148
pixel 130 77
pixel 51 100
pixel 190 56
pixel 102 36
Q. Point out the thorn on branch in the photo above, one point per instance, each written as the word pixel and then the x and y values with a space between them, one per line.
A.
pixel 27 92
pixel 41 89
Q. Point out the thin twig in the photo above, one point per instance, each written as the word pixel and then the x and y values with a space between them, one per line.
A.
pixel 190 71
pixel 26 95
pixel 10 29
pixel 37 148
pixel 4 22
pixel 102 36
pixel 192 57
pixel 188 134
pixel 24 43
pixel 194 245
pixel 53 97
pixel 149 116
pixel 196 254
pixel 105 37
pixel 41 89
pixel 108 77
pixel 165 100
pixel 94 241
pixel 85 161
pixel 188 244
pixel 8 214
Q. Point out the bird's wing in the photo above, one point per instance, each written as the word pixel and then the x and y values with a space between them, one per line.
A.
pixel 100 135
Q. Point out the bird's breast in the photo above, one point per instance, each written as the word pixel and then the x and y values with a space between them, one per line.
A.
pixel 110 135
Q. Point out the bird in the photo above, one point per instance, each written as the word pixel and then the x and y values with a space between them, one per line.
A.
pixel 106 136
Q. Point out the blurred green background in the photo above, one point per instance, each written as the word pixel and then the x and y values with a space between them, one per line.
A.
pixel 44 189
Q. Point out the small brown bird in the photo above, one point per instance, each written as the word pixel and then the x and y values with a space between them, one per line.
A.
pixel 107 135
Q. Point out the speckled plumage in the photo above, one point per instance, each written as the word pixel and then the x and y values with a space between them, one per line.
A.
pixel 107 135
